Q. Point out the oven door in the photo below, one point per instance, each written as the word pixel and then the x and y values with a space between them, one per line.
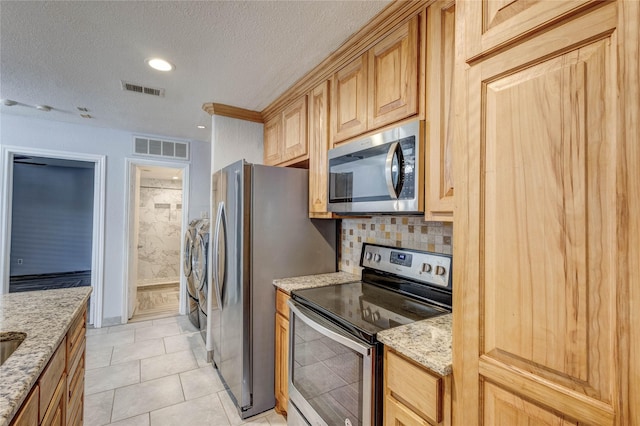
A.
pixel 331 373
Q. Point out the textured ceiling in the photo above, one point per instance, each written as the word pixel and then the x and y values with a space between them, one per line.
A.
pixel 69 54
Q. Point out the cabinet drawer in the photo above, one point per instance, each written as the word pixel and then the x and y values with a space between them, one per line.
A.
pixel 413 386
pixel 395 413
pixel 281 303
pixel 75 336
pixel 51 377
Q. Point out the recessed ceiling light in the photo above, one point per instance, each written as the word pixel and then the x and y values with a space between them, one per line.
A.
pixel 200 127
pixel 174 177
pixel 160 64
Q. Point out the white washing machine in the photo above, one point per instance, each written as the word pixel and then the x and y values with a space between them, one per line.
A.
pixel 187 259
pixel 199 268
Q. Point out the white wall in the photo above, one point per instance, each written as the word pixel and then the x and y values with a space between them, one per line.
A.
pixel 233 140
pixel 116 145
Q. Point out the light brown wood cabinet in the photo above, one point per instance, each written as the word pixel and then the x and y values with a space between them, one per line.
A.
pixel 440 115
pixel 541 312
pixel 318 150
pixel 379 87
pixel 285 135
pixel 58 396
pixel 75 370
pixel 28 414
pixel 282 353
pixel 272 141
pixel 413 395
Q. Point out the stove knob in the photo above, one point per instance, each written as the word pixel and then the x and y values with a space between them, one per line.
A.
pixel 367 255
pixel 375 316
pixel 366 312
pixel 440 270
pixel 377 257
pixel 426 267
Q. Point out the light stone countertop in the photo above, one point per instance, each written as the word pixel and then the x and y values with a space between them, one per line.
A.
pixel 45 316
pixel 310 281
pixel 428 342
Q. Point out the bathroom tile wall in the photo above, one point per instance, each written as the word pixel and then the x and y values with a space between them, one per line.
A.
pixel 398 231
pixel 159 230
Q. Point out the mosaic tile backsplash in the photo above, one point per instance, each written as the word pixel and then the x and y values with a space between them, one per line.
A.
pixel 399 231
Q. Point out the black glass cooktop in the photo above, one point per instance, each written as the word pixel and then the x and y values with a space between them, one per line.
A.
pixel 365 309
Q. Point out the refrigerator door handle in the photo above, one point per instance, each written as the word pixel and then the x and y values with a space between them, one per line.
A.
pixel 220 227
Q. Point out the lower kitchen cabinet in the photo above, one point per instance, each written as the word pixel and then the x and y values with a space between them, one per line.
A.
pixel 28 414
pixel 413 395
pixel 282 353
pixel 58 397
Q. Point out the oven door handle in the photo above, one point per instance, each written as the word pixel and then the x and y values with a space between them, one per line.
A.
pixel 327 328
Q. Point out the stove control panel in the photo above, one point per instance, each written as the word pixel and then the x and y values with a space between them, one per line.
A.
pixel 431 268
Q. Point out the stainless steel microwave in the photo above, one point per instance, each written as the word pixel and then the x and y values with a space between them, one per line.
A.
pixel 379 174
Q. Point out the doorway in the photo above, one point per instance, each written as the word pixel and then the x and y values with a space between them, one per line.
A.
pixel 52 219
pixel 156 217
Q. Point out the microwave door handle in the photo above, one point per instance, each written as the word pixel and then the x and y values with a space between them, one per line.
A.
pixel 394 189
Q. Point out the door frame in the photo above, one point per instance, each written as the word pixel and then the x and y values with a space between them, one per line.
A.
pixel 130 165
pixel 97 244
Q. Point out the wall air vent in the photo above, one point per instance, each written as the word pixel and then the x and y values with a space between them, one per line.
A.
pixel 160 148
pixel 137 88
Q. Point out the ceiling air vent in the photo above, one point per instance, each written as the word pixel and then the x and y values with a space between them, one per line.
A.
pixel 161 148
pixel 137 88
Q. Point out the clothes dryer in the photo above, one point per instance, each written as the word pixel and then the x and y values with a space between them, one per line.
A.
pixel 187 258
pixel 199 264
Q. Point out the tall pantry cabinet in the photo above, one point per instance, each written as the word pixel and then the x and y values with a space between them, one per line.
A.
pixel 547 241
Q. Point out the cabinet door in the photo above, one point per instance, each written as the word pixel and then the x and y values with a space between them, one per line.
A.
pixel 318 150
pixel 349 100
pixel 396 414
pixel 273 141
pixel 282 364
pixel 439 146
pixel 493 24
pixel 294 129
pixel 505 408
pixel 55 414
pixel 28 414
pixel 536 238
pixel 393 76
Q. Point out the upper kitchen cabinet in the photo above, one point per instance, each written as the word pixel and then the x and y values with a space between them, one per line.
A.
pixel 318 149
pixel 349 100
pixel 272 138
pixel 546 169
pixel 285 135
pixel 393 76
pixel 379 87
pixel 439 101
pixel 493 24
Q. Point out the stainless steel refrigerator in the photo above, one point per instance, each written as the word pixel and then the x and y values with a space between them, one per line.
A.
pixel 261 231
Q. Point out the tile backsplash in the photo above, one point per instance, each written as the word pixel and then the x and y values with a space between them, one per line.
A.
pixel 399 231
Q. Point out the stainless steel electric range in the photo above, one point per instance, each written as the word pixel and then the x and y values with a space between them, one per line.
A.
pixel 335 359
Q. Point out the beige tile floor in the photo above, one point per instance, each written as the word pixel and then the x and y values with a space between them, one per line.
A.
pixel 155 373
